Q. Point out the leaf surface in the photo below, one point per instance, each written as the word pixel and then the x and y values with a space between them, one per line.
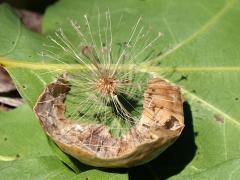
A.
pixel 200 52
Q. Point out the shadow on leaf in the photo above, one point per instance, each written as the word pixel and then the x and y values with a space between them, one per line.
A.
pixel 171 162
pixel 175 158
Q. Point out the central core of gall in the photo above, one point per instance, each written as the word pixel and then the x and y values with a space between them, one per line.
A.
pixel 106 85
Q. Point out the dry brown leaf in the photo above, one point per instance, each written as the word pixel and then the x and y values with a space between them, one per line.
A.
pixel 30 19
pixel 6 83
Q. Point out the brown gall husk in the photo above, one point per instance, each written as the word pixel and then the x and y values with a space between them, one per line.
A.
pixel 159 126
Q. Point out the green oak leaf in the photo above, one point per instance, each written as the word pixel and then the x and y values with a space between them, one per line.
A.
pixel 49 167
pixel 199 52
pixel 44 167
pixel 21 136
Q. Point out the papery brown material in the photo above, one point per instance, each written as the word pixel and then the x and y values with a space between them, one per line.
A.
pixel 31 20
pixel 159 126
pixel 9 97
pixel 6 83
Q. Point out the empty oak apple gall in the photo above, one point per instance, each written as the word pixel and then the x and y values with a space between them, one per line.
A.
pixel 109 112
pixel 159 125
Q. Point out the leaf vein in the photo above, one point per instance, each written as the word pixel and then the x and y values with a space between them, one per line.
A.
pixel 202 30
pixel 210 106
pixel 19 25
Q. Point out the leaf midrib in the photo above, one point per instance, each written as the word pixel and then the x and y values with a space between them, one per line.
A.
pixel 10 63
pixel 194 97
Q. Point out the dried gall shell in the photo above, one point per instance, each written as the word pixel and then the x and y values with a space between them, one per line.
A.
pixel 160 125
